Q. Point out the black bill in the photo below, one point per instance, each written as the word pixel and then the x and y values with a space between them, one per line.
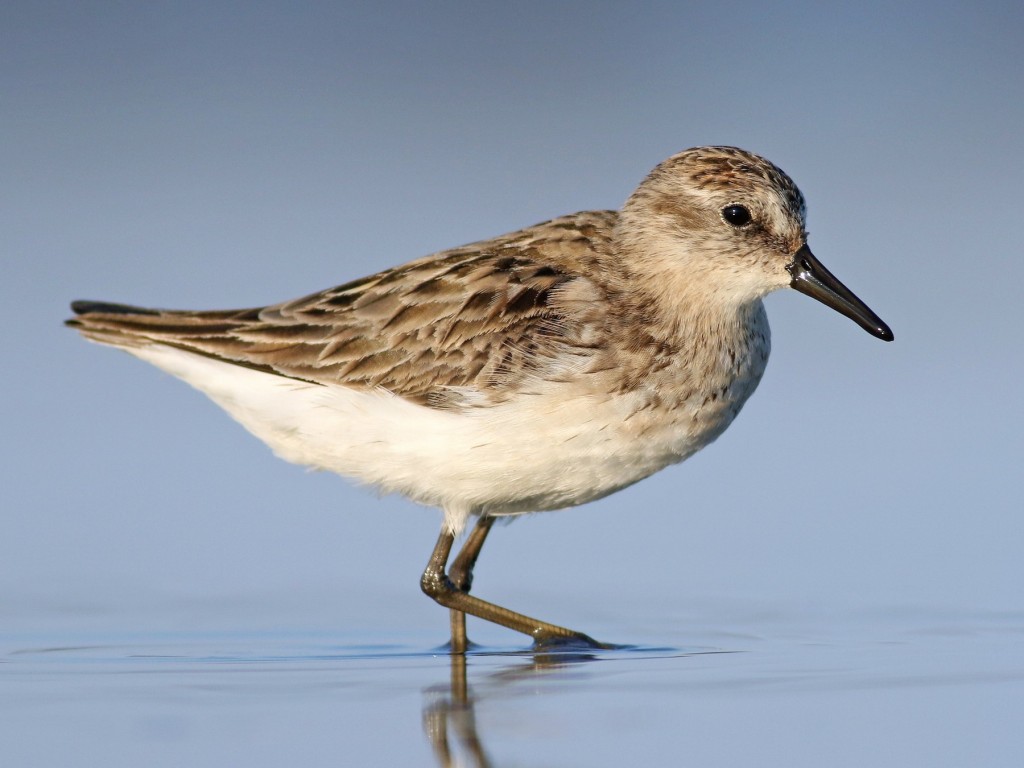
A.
pixel 810 277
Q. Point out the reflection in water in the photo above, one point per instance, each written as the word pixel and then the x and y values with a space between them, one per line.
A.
pixel 452 711
pixel 311 672
pixel 449 716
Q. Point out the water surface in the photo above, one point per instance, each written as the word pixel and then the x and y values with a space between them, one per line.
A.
pixel 893 688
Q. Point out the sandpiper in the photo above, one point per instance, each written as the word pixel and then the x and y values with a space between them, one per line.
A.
pixel 538 370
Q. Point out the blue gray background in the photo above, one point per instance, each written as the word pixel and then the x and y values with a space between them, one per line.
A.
pixel 211 155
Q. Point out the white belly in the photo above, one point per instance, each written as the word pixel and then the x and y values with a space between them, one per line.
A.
pixel 537 452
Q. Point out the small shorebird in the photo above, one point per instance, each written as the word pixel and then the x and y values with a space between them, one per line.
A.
pixel 539 370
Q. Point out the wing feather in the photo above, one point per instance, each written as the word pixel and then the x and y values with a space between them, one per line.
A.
pixel 473 319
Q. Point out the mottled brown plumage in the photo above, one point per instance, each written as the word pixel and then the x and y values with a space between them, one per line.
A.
pixel 481 316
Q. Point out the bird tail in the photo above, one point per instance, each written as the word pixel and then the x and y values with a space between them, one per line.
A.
pixel 123 325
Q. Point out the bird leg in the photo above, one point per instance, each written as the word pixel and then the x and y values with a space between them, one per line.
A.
pixel 436 583
pixel 461 576
pixel 461 571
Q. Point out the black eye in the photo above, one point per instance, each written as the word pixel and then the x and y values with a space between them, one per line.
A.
pixel 737 215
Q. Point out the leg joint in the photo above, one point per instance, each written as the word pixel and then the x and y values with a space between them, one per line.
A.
pixel 435 584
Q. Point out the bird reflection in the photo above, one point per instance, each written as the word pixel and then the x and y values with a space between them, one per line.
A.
pixel 449 716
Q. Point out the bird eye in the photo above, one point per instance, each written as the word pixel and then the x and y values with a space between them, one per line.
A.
pixel 737 215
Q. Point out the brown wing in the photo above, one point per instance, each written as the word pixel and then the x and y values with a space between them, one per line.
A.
pixel 473 319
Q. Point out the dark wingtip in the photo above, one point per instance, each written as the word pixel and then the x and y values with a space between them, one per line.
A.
pixel 87 307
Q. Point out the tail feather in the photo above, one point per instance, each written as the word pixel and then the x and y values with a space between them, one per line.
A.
pixel 86 307
pixel 124 325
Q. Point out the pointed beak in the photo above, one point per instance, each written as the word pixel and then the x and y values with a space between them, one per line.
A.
pixel 810 277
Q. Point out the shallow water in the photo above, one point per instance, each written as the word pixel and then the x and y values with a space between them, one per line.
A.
pixel 896 688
